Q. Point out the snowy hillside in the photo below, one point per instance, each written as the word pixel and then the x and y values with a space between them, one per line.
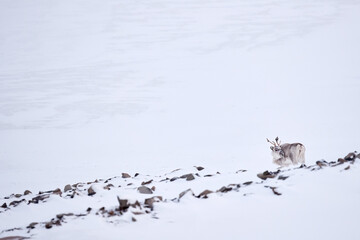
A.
pixel 92 89
pixel 312 202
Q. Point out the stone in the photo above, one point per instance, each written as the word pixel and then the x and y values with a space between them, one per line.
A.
pixel 133 219
pixel 204 194
pixel 14 237
pixel 125 175
pixel 57 191
pixel 341 160
pixel 153 188
pixel 282 177
pixel 32 225
pixel 350 157
pixel 224 189
pixel 67 188
pixel 147 182
pixel 347 168
pixel 18 195
pixel 4 205
pixel 144 190
pixel 199 168
pixel 60 216
pixel 48 225
pixel 39 198
pixel 173 179
pixel 109 186
pixel 123 204
pixel 267 174
pixel 27 192
pixel 188 177
pixel 91 191
pixel 247 183
pixel 136 174
pixel 208 175
pixel 322 163
pixel 15 203
pixel 182 194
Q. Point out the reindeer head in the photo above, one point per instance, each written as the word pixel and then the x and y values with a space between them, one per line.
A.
pixel 276 148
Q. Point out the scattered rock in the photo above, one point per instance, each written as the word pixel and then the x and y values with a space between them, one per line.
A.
pixel 199 168
pixel 274 190
pixel 60 216
pixel 188 177
pixel 347 168
pixel 153 188
pixel 350 157
pixel 57 192
pixel 175 170
pixel 204 194
pixel 123 204
pixel 4 205
pixel 149 202
pixel 91 191
pixel 322 163
pixel 32 225
pixel 144 190
pixel 27 192
pixel 129 184
pixel 14 238
pixel 224 189
pixel 67 188
pixel 182 194
pixel 89 209
pixel 208 175
pixel 133 219
pixel 15 203
pixel 18 195
pixel 136 174
pixel 173 179
pixel 247 183
pixel 147 182
pixel 241 171
pixel 48 225
pixel 282 177
pixel 267 174
pixel 39 198
pixel 125 175
pixel 109 186
pixel 358 156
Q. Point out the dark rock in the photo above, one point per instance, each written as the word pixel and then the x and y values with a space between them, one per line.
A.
pixel 123 204
pixel 48 225
pixel 15 203
pixel 109 186
pixel 241 171
pixel 247 183
pixel 147 182
pixel 322 163
pixel 18 195
pixel 14 237
pixel 282 177
pixel 89 209
pixel 32 225
pixel 39 198
pixel 173 179
pixel 129 184
pixel 347 168
pixel 57 192
pixel 267 174
pixel 27 192
pixel 135 205
pixel 67 188
pixel 144 190
pixel 149 202
pixel 224 189
pixel 133 219
pixel 165 179
pixel 176 170
pixel 153 188
pixel 341 160
pixel 358 156
pixel 182 194
pixel 60 216
pixel 125 175
pixel 136 174
pixel 188 177
pixel 208 175
pixel 350 157
pixel 4 205
pixel 91 191
pixel 204 194
pixel 274 191
pixel 199 168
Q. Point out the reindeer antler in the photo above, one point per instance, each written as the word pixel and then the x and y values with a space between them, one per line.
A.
pixel 276 143
pixel 271 142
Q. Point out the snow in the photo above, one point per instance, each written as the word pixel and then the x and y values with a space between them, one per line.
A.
pixel 91 89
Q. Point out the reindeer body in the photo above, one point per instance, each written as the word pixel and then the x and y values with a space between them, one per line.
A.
pixel 287 153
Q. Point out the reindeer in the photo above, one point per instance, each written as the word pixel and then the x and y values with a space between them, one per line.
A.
pixel 287 153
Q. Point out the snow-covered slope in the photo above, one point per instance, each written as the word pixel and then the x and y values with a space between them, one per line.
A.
pixel 318 201
pixel 91 89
